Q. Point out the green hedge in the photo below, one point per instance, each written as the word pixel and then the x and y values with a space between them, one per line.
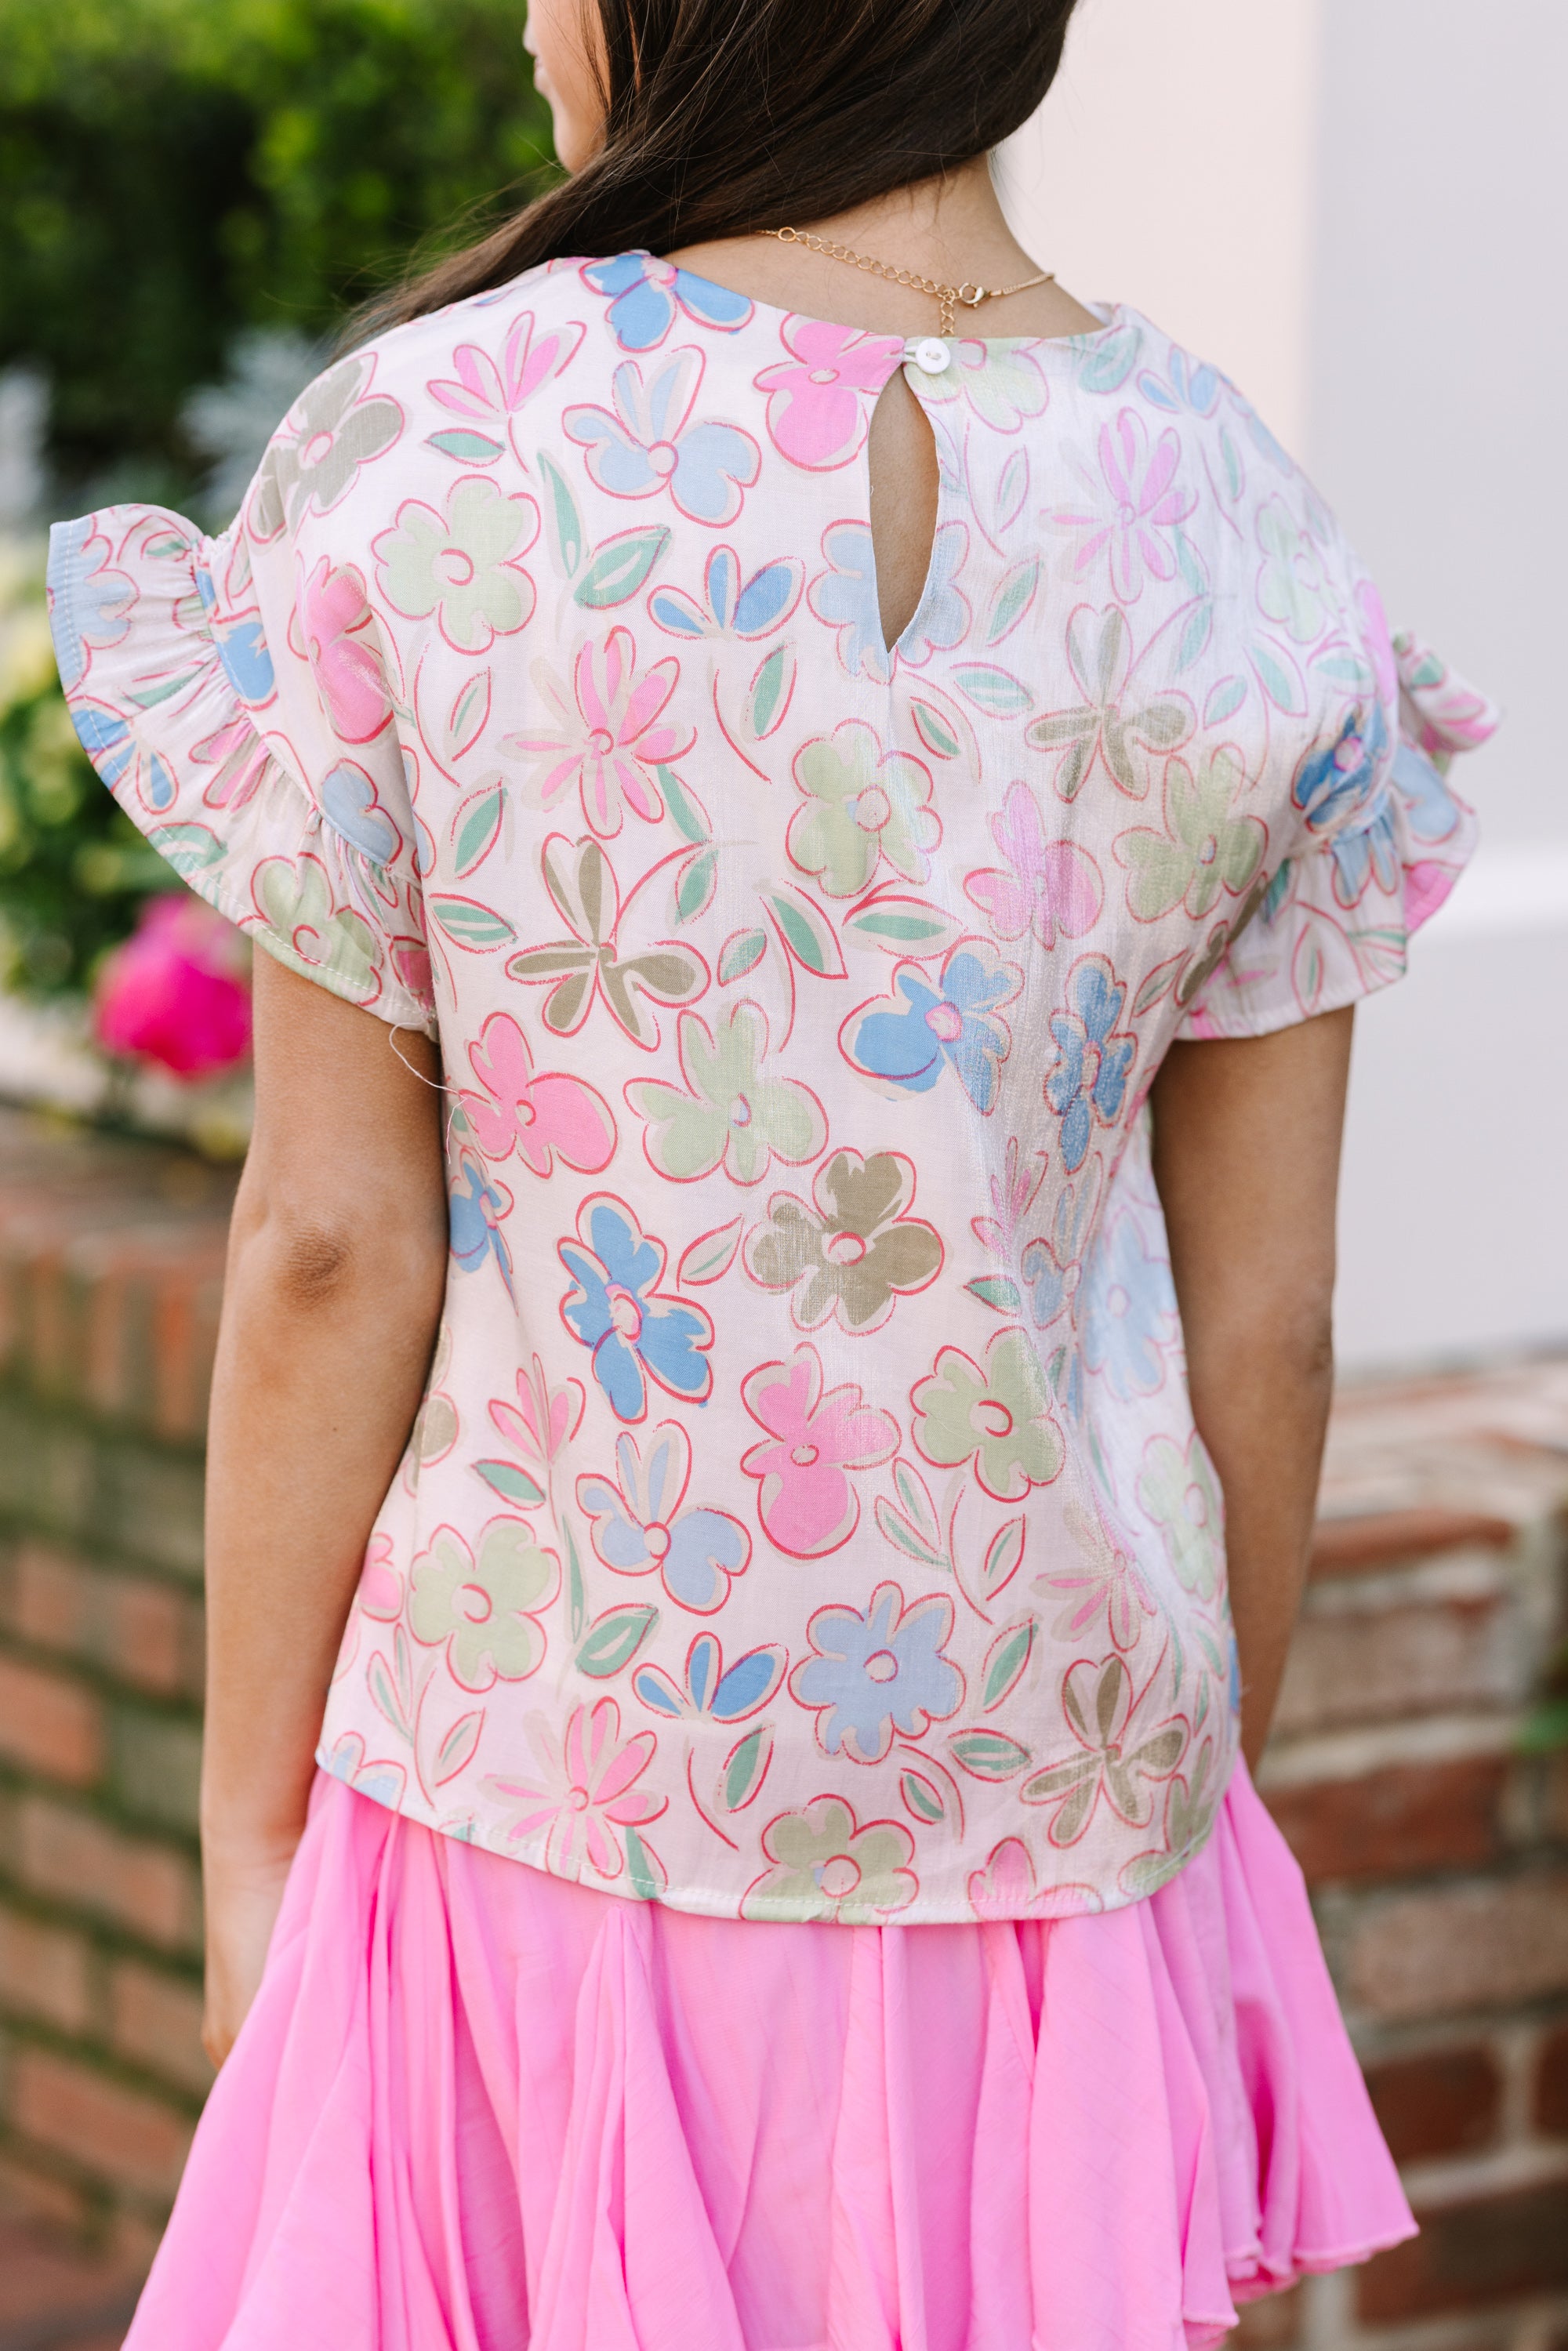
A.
pixel 174 170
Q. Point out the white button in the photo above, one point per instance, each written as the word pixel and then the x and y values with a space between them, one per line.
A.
pixel 929 355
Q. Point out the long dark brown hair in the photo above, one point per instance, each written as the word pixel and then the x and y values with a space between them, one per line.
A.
pixel 723 116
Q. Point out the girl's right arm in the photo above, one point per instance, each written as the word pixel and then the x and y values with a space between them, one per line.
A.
pixel 336 1270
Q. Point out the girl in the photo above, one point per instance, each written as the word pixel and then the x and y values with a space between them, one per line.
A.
pixel 816 811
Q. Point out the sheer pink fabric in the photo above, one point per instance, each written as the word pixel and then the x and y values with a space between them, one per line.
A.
pixel 477 2108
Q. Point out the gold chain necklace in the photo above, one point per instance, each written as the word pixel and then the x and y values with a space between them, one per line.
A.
pixel 970 295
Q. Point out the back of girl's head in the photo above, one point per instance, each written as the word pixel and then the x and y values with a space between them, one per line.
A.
pixel 725 116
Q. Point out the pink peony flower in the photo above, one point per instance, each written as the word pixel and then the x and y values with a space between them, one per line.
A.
pixel 805 1503
pixel 176 992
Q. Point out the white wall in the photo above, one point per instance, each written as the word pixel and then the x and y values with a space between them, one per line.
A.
pixel 1356 208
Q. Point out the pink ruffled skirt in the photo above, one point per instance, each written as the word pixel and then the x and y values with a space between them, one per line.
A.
pixel 476 2108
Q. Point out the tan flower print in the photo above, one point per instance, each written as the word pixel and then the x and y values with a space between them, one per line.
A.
pixel 853 1250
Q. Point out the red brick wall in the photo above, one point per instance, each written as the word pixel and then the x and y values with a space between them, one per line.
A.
pixel 1437 1853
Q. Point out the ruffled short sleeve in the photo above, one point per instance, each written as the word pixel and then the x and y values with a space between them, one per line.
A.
pixel 1377 840
pixel 233 694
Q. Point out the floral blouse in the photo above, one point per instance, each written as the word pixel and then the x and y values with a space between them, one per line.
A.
pixel 805 1518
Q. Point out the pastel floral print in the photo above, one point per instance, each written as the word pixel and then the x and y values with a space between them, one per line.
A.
pixel 341 645
pixel 878 1671
pixel 640 1526
pixel 728 1114
pixel 331 431
pixel 1045 886
pixel 806 1501
pixel 1130 509
pixel 1209 847
pixel 580 881
pixel 854 1250
pixel 817 412
pixel 862 805
pixel 483 1602
pixel 1126 730
pixel 464 565
pixel 1089 1081
pixel 608 738
pixel 652 443
pixel 647 295
pixel 616 1309
pixel 797 997
pixel 825 1865
pixel 926 1027
pixel 581 1788
pixel 1179 1491
pixel 844 596
pixel 1116 1760
pixel 998 1417
pixel 534 1114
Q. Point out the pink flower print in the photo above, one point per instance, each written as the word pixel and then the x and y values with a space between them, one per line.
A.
pixel 1125 515
pixel 581 1787
pixel 1045 885
pixel 534 1114
pixel 805 1503
pixel 608 738
pixel 484 386
pixel 1114 1759
pixel 380 1582
pixel 1006 1889
pixel 651 443
pixel 341 647
pixel 816 415
pixel 1103 1576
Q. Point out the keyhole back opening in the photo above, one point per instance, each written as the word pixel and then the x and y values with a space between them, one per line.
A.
pixel 902 458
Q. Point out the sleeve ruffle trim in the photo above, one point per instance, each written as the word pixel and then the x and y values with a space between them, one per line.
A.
pixel 1334 922
pixel 163 699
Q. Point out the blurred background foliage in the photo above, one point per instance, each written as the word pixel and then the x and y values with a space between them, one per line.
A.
pixel 174 172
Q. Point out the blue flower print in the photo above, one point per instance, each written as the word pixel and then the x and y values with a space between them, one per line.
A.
pixel 89 603
pixel 126 765
pixel 646 293
pixel 1334 782
pixel 721 1695
pixel 1129 1313
pixel 638 1526
pixel 1089 1077
pixel 941 621
pixel 1370 850
pixel 955 1025
pixel 614 1309
pixel 1430 808
pixel 844 596
pixel 732 607
pixel 650 444
pixel 475 1214
pixel 241 648
pixel 879 1673
pixel 1186 383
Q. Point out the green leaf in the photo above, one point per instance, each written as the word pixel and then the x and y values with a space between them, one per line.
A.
pixel 619 566
pixel 457 1750
pixel 469 448
pixel 614 1639
pixel 157 690
pixel 574 1584
pixel 741 953
pixel 1012 600
pixel 1156 984
pixel 914 1494
pixel 987 1755
pixel 475 829
pixel 805 930
pixel 1196 634
pixel 505 1477
pixel 710 1256
pixel 471 925
pixel 902 924
pixel 189 848
pixel 469 714
pixel 1109 359
pixel 684 809
pixel 769 695
pixel 746 1767
pixel 1004 1554
pixel 904 1537
pixel 383 1690
pixel 695 885
pixel 645 1871
pixel 1227 696
pixel 562 521
pixel 922 1799
pixel 1283 690
pixel 1006 1659
pixel 933 730
pixel 995 1291
pixel 993 689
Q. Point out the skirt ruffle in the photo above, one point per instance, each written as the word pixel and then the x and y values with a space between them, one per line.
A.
pixel 477 2108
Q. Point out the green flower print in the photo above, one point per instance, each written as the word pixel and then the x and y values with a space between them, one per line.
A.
pixel 1190 1816
pixel 465 566
pixel 1128 728
pixel 479 1604
pixel 825 1867
pixel 1290 586
pixel 1181 1494
pixel 732 1115
pixel 1212 849
pixel 297 899
pixel 854 1250
pixel 332 440
pixel 999 1417
pixel 860 805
